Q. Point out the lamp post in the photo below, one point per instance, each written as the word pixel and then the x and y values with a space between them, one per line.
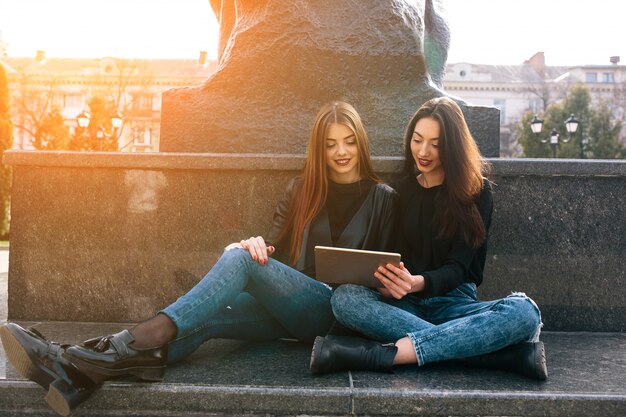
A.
pixel 84 119
pixel 571 125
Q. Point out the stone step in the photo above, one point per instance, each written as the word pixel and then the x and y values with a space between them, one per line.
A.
pixel 227 377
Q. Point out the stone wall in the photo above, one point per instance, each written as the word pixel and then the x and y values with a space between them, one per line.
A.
pixel 115 237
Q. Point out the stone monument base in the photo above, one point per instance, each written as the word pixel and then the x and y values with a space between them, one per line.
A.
pixel 115 237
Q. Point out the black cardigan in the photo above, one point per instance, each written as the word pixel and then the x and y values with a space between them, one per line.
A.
pixel 371 227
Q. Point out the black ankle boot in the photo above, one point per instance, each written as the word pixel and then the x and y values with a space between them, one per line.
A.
pixel 41 361
pixel 344 353
pixel 526 358
pixel 115 356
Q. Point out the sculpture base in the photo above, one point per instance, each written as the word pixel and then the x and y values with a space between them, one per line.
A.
pixel 138 230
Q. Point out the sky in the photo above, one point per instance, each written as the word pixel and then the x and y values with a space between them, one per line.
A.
pixel 483 31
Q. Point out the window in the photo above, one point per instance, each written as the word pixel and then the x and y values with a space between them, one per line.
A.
pixel 73 101
pixel 608 77
pixel 142 136
pixel 501 105
pixel 156 103
pixel 536 105
pixel 591 77
pixel 142 103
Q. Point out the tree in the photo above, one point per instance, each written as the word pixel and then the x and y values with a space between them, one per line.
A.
pixel 52 133
pixel 6 142
pixel 40 97
pixel 36 115
pixel 96 136
pixel 606 132
pixel 597 126
pixel 537 85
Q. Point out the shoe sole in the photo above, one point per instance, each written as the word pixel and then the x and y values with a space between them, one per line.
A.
pixel 541 368
pixel 317 347
pixel 150 374
pixel 21 361
pixel 60 393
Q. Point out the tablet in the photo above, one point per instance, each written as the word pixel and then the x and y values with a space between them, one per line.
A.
pixel 350 266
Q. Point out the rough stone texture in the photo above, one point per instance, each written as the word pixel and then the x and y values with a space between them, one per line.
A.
pixel 272 378
pixel 123 235
pixel 82 236
pixel 563 241
pixel 280 60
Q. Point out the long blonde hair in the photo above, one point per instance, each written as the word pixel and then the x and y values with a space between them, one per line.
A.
pixel 308 201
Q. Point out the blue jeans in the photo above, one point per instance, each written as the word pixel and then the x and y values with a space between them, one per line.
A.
pixel 241 299
pixel 453 326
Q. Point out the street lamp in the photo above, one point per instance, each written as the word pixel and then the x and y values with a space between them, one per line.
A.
pixel 116 120
pixel 571 124
pixel 84 118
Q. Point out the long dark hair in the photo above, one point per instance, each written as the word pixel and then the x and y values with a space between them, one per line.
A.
pixel 464 170
pixel 311 197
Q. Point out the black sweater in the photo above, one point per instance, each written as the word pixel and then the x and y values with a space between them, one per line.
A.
pixel 369 225
pixel 342 203
pixel 445 264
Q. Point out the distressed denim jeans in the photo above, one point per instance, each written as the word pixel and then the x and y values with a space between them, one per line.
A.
pixel 453 326
pixel 241 299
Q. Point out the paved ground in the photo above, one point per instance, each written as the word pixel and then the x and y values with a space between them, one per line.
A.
pixel 240 378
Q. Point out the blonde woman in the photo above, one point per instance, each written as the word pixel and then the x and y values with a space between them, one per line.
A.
pixel 336 201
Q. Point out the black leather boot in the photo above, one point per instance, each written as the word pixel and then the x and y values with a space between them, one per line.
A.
pixel 345 353
pixel 41 361
pixel 526 358
pixel 114 356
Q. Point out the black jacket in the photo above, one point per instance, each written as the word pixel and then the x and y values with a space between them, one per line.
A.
pixel 371 227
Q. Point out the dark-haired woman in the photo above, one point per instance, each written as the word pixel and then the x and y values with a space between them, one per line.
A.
pixel 427 309
pixel 337 201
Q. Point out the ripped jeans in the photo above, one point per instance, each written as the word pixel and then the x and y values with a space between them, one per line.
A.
pixel 456 325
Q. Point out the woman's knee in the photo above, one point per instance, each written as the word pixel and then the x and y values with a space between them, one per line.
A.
pixel 235 254
pixel 349 296
pixel 527 314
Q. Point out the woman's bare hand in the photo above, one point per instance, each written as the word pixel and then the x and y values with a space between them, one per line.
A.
pixel 398 281
pixel 258 249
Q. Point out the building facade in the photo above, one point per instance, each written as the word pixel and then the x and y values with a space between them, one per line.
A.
pixel 532 86
pixel 132 87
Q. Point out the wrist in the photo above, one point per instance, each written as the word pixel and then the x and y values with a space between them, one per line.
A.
pixel 419 284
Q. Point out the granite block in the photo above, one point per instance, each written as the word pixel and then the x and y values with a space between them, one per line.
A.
pixel 222 376
pixel 582 382
pixel 562 240
pixel 142 229
pixel 227 377
pixel 123 235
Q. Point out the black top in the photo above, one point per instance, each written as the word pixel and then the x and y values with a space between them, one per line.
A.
pixel 445 264
pixel 370 226
pixel 342 203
